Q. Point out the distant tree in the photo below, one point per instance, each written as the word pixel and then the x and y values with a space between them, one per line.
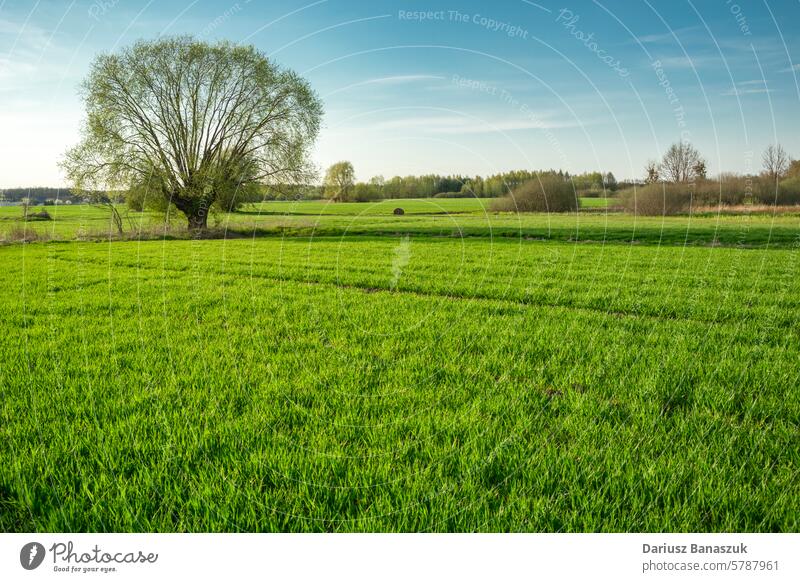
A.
pixel 652 172
pixel 365 192
pixel 610 181
pixel 186 116
pixel 679 162
pixel 372 190
pixel 473 187
pixel 38 194
pixel 794 169
pixel 339 182
pixel 775 161
pixel 699 170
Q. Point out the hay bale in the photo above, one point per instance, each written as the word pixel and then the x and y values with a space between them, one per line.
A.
pixel 399 212
pixel 43 215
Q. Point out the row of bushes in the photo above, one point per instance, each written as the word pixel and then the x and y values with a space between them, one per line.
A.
pixel 734 190
pixel 786 194
pixel 461 194
pixel 664 199
pixel 553 194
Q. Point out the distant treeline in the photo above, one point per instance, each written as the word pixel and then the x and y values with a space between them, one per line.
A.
pixel 38 195
pixel 377 188
pixel 451 186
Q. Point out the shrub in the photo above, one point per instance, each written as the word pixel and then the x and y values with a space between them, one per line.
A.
pixel 546 193
pixel 658 199
pixel 462 194
pixel 18 234
pixel 729 190
pixel 787 193
pixel 42 215
pixel 366 192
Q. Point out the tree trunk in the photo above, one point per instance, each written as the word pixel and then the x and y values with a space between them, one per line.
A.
pixel 198 220
pixel 117 218
pixel 195 210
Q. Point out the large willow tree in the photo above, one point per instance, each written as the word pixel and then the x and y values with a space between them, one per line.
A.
pixel 189 119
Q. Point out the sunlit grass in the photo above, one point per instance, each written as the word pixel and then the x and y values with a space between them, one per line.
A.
pixel 467 217
pixel 500 384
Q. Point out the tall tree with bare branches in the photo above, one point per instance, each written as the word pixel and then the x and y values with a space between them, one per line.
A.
pixel 775 161
pixel 190 118
pixel 680 163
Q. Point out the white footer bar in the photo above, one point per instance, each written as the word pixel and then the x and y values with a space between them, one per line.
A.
pixel 371 557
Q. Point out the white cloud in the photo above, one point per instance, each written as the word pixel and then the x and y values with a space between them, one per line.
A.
pixel 689 62
pixel 399 79
pixel 734 92
pixel 457 125
pixel 23 39
pixel 388 81
pixel 11 68
pixel 23 48
pixel 689 33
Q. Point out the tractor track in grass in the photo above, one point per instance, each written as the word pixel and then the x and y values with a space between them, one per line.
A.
pixel 518 302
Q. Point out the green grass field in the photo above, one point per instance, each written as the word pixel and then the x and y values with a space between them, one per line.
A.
pixel 390 374
pixel 450 369
pixel 450 218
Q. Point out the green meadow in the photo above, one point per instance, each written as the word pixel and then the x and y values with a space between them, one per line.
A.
pixel 333 367
pixel 596 222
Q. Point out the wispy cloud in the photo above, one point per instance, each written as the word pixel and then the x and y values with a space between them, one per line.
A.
pixel 399 79
pixel 456 125
pixel 21 37
pixel 387 81
pixel 14 69
pixel 22 49
pixel 791 69
pixel 753 87
pixel 689 62
pixel 686 34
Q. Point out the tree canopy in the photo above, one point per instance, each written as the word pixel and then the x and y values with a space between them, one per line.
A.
pixel 775 161
pixel 339 181
pixel 682 163
pixel 192 121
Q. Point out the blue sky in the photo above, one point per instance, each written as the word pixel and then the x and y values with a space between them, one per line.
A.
pixel 447 87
